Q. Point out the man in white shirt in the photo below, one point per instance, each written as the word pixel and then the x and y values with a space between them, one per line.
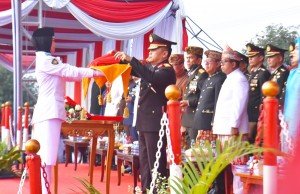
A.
pixel 231 117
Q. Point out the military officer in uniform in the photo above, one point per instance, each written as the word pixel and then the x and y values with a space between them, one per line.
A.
pixel 189 103
pixel 155 77
pixel 244 63
pixel 258 76
pixel 49 112
pixel 207 101
pixel 279 73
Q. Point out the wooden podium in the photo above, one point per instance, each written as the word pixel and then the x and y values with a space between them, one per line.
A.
pixel 93 129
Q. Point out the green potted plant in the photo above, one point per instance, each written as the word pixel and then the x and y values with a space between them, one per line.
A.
pixel 209 162
pixel 199 174
pixel 7 158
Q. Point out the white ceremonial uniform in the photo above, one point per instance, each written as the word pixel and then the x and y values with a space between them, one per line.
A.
pixel 231 109
pixel 116 92
pixel 49 111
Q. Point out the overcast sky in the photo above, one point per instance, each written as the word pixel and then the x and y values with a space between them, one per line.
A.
pixel 235 22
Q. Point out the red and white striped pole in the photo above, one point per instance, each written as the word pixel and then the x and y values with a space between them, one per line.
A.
pixel 26 124
pixel 173 93
pixel 33 162
pixel 7 117
pixel 2 122
pixel 270 89
pixel 19 128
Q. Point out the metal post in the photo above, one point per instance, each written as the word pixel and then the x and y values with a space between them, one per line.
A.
pixel 17 60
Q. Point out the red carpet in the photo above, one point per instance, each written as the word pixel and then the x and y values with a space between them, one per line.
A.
pixel 68 184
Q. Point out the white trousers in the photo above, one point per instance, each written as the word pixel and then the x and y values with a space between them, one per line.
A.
pixel 48 134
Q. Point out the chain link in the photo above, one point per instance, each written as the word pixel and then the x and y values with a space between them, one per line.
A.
pixel 45 179
pixel 22 181
pixel 285 137
pixel 169 143
pixel 163 122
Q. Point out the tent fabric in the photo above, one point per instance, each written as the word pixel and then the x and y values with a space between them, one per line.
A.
pixel 118 31
pixel 5 14
pixel 83 31
pixel 118 11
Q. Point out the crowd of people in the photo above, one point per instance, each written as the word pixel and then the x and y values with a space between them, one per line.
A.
pixel 221 94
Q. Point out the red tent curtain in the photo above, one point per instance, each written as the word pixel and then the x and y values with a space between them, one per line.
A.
pixel 120 11
pixel 146 43
pixel 6 4
pixel 98 49
pixel 77 85
pixel 185 38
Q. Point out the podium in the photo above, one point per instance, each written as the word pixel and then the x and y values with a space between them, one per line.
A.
pixel 92 129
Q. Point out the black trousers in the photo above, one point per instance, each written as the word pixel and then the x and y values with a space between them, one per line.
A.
pixel 147 151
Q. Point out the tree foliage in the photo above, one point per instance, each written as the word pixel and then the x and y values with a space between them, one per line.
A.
pixel 6 85
pixel 7 88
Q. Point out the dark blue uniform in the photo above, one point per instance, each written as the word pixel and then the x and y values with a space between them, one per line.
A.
pixel 256 80
pixel 207 101
pixel 152 101
pixel 280 76
pixel 197 75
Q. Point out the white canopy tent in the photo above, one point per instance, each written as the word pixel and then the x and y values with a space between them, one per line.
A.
pixel 84 31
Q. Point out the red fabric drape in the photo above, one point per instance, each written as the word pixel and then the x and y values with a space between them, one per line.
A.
pixel 77 85
pixel 120 11
pixel 6 4
pixel 118 45
pixel 147 43
pixel 185 38
pixel 98 49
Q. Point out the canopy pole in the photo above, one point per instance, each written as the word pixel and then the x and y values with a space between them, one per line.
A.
pixel 40 14
pixel 17 60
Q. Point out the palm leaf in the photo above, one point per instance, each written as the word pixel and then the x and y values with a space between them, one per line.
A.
pixel 7 157
pixel 199 175
pixel 90 189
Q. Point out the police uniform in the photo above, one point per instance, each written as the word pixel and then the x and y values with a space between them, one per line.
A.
pixel 244 60
pixel 281 74
pixel 152 101
pixel 197 75
pixel 256 79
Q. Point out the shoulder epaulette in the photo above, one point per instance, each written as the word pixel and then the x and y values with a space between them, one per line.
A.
pixel 201 70
pixel 164 65
pixel 282 69
pixel 54 61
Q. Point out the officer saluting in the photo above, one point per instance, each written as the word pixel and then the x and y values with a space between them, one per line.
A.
pixel 155 77
pixel 258 76
pixel 279 73
pixel 197 75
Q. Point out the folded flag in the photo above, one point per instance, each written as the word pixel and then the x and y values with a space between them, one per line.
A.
pixel 111 69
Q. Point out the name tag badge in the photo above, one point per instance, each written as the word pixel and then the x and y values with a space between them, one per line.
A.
pixel 193 85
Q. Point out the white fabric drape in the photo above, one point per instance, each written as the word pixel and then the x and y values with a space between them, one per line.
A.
pixel 71 59
pixel 26 7
pixel 118 31
pixel 56 4
pixel 108 45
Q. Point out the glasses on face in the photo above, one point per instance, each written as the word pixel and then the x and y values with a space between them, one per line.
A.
pixel 226 61
pixel 210 61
